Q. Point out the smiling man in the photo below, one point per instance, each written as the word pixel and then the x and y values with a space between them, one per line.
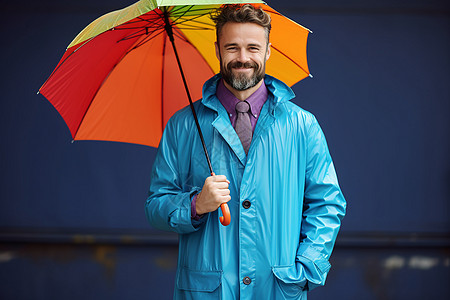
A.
pixel 274 171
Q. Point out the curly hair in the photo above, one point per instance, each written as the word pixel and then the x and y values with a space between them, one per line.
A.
pixel 239 13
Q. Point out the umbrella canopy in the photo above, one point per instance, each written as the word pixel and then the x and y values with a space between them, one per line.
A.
pixel 119 79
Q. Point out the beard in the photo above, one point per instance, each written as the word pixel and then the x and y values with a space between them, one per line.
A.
pixel 240 81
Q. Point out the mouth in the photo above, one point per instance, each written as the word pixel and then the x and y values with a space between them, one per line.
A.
pixel 243 67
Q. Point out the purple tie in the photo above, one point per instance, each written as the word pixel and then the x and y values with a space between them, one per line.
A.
pixel 243 125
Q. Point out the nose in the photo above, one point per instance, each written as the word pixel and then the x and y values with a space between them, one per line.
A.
pixel 243 57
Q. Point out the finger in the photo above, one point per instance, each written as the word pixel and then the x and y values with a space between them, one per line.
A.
pixel 223 192
pixel 221 200
pixel 221 185
pixel 218 194
pixel 216 186
pixel 225 199
pixel 220 178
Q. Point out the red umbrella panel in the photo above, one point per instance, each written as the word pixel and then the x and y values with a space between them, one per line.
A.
pixel 130 102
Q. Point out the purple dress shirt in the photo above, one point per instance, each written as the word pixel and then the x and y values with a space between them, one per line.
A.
pixel 229 101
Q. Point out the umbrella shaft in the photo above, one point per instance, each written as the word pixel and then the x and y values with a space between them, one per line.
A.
pixel 169 31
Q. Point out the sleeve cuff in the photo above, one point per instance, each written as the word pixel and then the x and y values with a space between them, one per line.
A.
pixel 315 264
pixel 194 215
pixel 196 220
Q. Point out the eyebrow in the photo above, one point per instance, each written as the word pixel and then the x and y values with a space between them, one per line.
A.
pixel 249 45
pixel 230 44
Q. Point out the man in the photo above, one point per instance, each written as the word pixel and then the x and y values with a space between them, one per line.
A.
pixel 274 171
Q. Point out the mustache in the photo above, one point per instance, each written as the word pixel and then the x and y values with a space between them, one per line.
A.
pixel 238 64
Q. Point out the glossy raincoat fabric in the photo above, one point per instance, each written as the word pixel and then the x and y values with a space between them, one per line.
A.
pixel 279 247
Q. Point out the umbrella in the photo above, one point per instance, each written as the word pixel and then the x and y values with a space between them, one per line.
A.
pixel 128 71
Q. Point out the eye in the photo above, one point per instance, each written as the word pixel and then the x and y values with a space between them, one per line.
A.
pixel 231 48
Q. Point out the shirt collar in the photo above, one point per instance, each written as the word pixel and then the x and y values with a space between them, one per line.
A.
pixel 229 101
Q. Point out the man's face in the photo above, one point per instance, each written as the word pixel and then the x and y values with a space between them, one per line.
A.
pixel 242 50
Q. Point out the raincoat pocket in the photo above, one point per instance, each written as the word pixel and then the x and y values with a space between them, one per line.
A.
pixel 287 282
pixel 198 284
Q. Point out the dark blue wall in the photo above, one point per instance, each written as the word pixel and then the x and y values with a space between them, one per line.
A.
pixel 72 219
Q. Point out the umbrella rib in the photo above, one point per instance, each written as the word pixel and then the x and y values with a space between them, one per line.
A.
pixel 193 19
pixel 135 21
pixel 198 13
pixel 152 25
pixel 143 30
pixel 282 53
pixel 181 15
pixel 133 35
pixel 194 28
pixel 181 37
pixel 190 19
pixel 206 10
pixel 138 33
pixel 160 13
pixel 184 21
pixel 181 7
pixel 146 40
pixel 177 8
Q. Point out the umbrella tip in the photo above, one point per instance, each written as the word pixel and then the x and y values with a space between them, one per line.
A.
pixel 38 92
pixel 310 75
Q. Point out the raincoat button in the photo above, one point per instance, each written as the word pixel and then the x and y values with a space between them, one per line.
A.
pixel 246 204
pixel 247 280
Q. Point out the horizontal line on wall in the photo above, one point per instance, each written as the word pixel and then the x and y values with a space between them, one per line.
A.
pixel 88 236
pixel 155 238
pixel 394 240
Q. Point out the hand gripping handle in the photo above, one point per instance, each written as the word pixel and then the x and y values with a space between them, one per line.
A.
pixel 226 216
pixel 226 219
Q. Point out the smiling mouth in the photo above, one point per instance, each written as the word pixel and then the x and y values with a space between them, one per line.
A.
pixel 242 68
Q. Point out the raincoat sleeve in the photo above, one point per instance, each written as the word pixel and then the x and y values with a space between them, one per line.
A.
pixel 324 208
pixel 168 206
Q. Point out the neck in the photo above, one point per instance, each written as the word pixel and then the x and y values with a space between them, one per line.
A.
pixel 243 95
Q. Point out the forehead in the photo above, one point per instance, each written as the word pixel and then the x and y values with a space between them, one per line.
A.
pixel 242 32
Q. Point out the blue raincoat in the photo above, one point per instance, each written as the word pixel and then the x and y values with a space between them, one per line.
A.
pixel 279 247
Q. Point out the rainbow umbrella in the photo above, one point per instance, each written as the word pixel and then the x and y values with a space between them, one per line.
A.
pixel 126 73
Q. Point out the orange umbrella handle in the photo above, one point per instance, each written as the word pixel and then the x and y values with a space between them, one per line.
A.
pixel 226 219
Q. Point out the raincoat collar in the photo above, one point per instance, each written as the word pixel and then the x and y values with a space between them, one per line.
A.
pixel 280 91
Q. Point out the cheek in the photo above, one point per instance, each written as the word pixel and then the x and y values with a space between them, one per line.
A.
pixel 226 59
pixel 260 59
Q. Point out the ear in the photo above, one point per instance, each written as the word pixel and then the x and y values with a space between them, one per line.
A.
pixel 217 50
pixel 269 47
